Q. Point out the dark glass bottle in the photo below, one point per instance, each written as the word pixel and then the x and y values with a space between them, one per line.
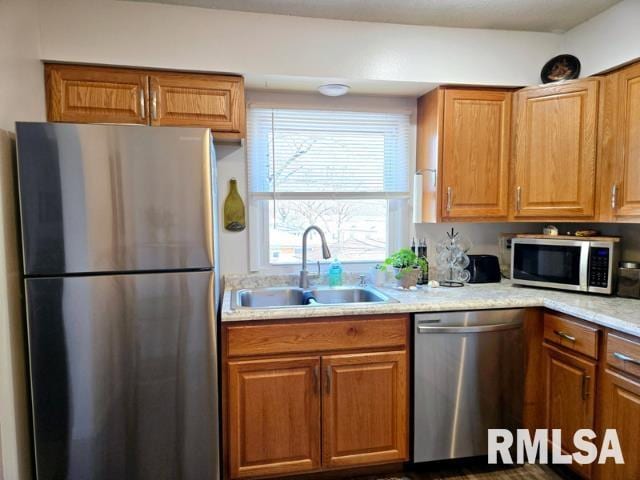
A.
pixel 234 218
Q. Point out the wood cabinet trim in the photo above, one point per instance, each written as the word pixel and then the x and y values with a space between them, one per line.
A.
pixel 493 175
pixel 581 412
pixel 625 346
pixel 119 95
pixel 583 205
pixel 321 335
pixel 239 465
pixel 619 408
pixel 586 336
pixel 179 101
pixel 624 160
pixel 224 92
pixel 335 452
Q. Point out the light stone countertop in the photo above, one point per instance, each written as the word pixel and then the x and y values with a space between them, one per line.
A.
pixel 618 313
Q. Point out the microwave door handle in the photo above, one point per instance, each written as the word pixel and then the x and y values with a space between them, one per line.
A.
pixel 584 266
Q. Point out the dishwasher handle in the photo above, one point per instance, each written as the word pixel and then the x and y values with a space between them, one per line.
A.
pixel 498 327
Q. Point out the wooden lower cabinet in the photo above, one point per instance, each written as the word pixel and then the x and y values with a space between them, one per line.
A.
pixel 314 395
pixel 570 403
pixel 274 412
pixel 619 407
pixel 364 408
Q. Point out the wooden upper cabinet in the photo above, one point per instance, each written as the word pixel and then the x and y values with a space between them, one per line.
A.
pixel 274 416
pixel 83 94
pixel 555 150
pixel 212 101
pixel 621 150
pixel 619 408
pixel 570 403
pixel 365 409
pixel 463 152
pixel 475 154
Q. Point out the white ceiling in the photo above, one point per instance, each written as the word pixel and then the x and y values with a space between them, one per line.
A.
pixel 527 15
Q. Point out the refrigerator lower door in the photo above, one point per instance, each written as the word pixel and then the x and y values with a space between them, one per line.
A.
pixel 123 376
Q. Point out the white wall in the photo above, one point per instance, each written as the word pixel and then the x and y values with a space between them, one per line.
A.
pixel 155 35
pixel 607 40
pixel 21 98
pixel 21 77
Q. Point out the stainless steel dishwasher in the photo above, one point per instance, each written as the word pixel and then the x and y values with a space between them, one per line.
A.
pixel 469 377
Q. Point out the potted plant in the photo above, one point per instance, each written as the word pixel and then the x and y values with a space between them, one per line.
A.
pixel 407 266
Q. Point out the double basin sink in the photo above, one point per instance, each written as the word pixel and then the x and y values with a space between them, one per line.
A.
pixel 282 297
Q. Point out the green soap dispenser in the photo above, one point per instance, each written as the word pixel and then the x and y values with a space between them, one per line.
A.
pixel 335 273
pixel 234 219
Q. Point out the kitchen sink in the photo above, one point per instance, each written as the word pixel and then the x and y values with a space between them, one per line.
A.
pixel 283 297
pixel 342 295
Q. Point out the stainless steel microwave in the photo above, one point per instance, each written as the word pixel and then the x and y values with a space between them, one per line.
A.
pixel 577 265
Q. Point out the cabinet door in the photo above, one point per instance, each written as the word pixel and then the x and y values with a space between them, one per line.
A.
pixel 570 387
pixel 82 94
pixel 625 193
pixel 475 155
pixel 364 408
pixel 619 407
pixel 274 416
pixel 211 101
pixel 555 150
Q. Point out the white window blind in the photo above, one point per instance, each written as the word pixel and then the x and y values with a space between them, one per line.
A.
pixel 346 172
pixel 297 153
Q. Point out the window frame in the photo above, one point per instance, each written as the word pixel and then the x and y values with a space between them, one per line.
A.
pixel 399 211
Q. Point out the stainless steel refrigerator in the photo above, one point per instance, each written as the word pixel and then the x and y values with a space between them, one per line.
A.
pixel 118 237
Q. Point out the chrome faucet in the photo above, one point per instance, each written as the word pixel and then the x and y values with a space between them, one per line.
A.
pixel 304 274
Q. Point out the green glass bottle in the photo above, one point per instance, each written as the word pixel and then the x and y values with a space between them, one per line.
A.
pixel 234 219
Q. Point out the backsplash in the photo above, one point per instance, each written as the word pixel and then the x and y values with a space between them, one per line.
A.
pixel 484 236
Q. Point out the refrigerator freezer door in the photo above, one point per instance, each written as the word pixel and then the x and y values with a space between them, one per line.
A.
pixel 100 198
pixel 123 376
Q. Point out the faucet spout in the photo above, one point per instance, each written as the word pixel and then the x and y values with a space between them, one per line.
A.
pixel 304 274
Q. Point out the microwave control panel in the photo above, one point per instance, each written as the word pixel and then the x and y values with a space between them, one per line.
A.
pixel 599 267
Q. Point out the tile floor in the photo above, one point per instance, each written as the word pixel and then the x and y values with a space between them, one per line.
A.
pixel 474 472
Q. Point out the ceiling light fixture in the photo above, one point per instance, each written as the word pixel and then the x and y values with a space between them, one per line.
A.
pixel 333 89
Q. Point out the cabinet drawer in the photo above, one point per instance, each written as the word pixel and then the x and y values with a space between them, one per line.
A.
pixel 623 354
pixel 571 335
pixel 317 335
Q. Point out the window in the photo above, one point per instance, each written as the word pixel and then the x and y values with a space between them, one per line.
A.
pixel 346 172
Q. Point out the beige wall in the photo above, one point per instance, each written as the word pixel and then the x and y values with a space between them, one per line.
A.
pixel 21 98
pixel 21 84
pixel 607 40
pixel 155 35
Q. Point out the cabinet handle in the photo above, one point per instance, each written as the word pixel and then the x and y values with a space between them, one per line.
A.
pixel 328 379
pixel 566 336
pixel 154 105
pixel 518 197
pixel 614 196
pixel 316 379
pixel 449 195
pixel 586 380
pixel 626 358
pixel 143 112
